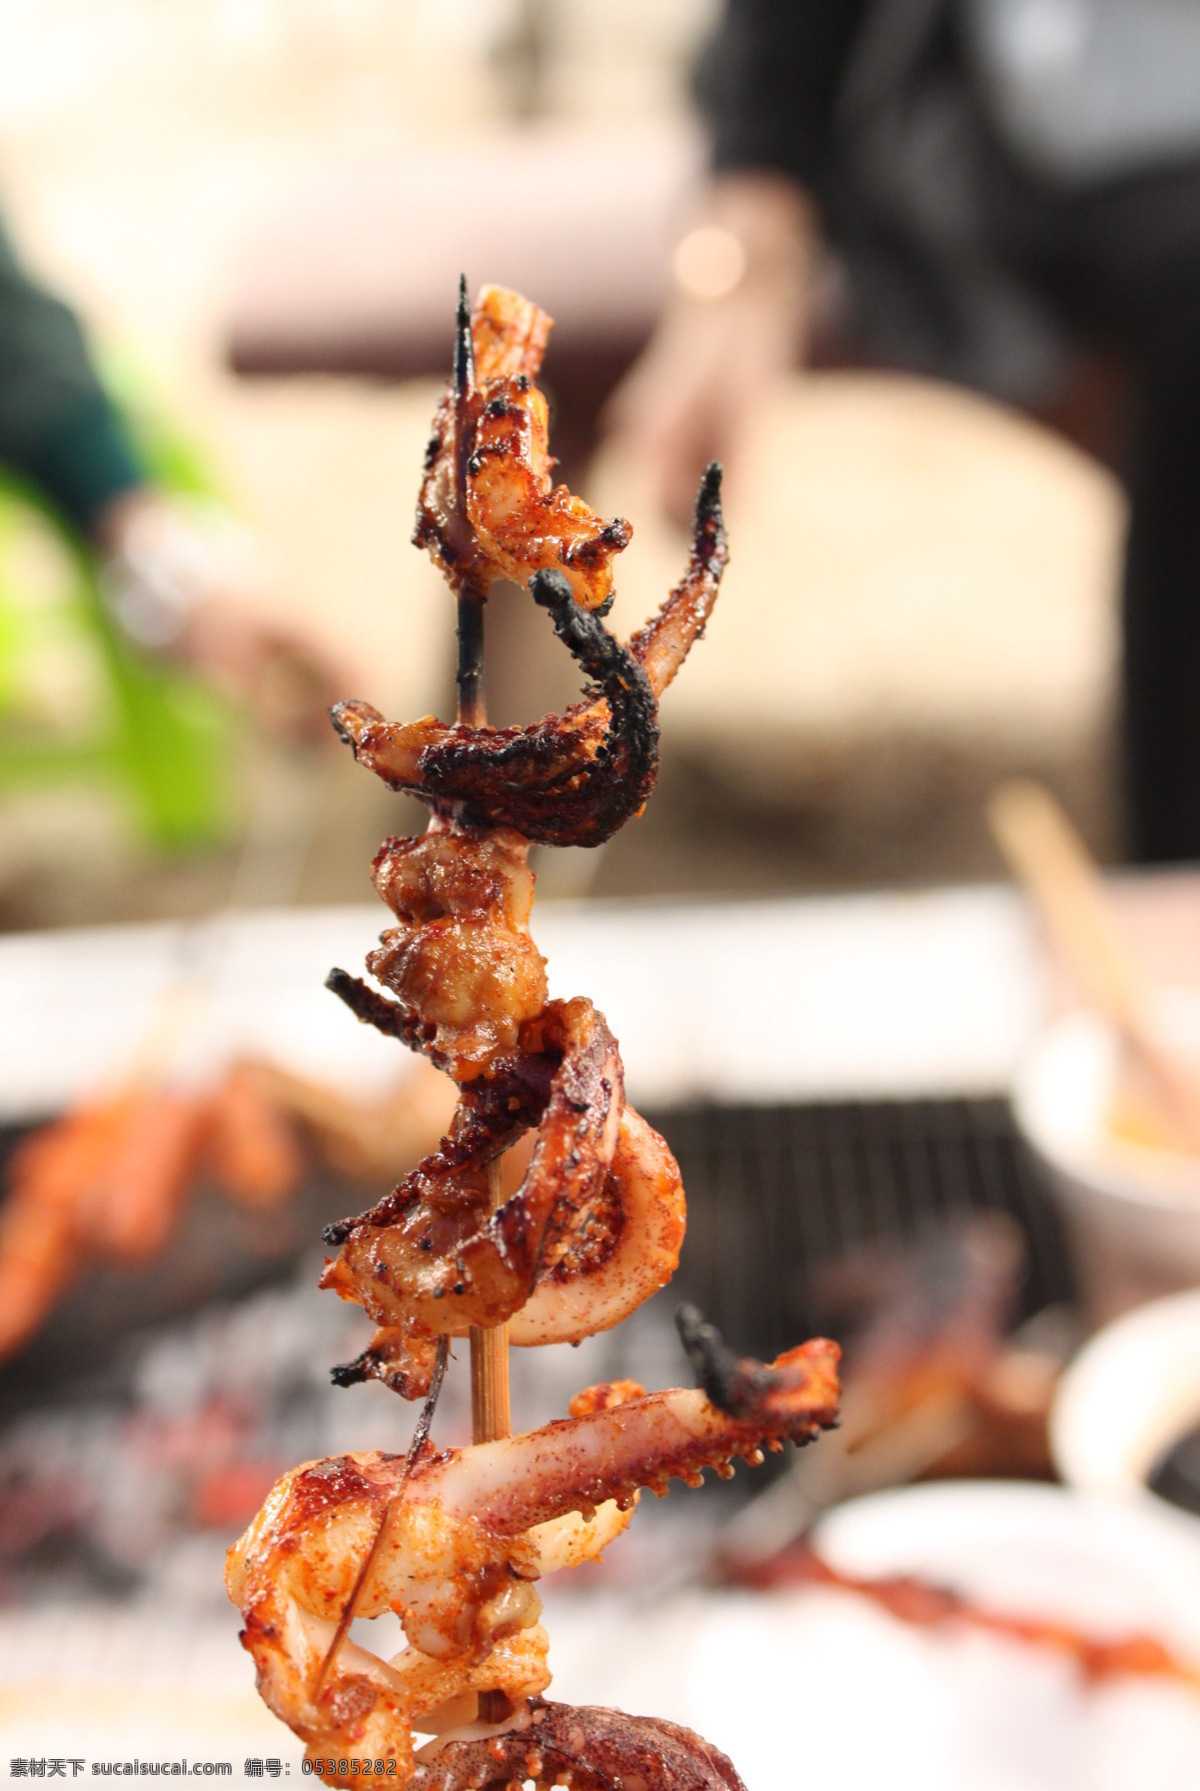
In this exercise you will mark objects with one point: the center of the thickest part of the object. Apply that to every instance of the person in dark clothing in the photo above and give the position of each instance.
(57, 427)
(169, 589)
(985, 229)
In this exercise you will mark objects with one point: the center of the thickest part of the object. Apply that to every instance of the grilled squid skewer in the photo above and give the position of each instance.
(467, 1535)
(596, 1224)
(454, 1543)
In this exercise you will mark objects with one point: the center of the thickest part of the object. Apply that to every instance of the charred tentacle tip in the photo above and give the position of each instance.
(708, 497)
(343, 985)
(464, 347)
(734, 1384)
(600, 653)
(552, 590)
(404, 1378)
(390, 1017)
(369, 1006)
(339, 726)
(709, 540)
(349, 1374)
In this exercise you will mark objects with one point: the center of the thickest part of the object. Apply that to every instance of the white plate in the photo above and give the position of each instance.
(1035, 1549)
(823, 1688)
(1131, 1392)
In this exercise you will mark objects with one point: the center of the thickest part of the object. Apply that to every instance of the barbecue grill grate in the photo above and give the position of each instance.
(776, 1195)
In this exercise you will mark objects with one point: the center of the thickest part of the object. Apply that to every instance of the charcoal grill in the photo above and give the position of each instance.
(779, 1195)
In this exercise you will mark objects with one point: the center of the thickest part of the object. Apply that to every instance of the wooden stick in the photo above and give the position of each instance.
(1046, 854)
(490, 1415)
(489, 1348)
(490, 1412)
(472, 704)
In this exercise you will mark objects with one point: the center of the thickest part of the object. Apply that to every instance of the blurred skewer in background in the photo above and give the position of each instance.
(1049, 859)
(934, 1386)
(108, 1180)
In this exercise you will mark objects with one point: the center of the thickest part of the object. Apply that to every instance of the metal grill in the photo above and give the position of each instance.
(776, 1195)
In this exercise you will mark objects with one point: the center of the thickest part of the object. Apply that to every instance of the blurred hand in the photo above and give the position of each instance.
(190, 587)
(735, 321)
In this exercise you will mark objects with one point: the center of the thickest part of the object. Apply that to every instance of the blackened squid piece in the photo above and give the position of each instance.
(403, 1362)
(571, 779)
(587, 1747)
(432, 1257)
(741, 1386)
(566, 780)
(385, 1015)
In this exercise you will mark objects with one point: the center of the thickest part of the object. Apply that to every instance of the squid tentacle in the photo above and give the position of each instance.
(431, 1253)
(588, 1747)
(571, 779)
(554, 782)
(390, 1017)
(467, 1532)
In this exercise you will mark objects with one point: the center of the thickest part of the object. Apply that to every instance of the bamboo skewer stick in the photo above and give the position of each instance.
(1045, 854)
(489, 1348)
(490, 1415)
(490, 1410)
(472, 704)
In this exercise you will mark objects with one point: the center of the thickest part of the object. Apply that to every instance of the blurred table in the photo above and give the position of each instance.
(900, 993)
(800, 998)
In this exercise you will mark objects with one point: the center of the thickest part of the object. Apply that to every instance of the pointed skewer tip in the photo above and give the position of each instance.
(464, 349)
